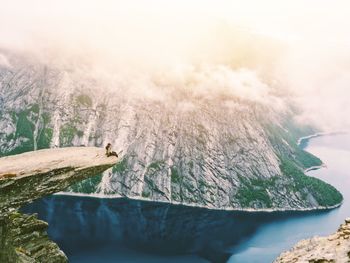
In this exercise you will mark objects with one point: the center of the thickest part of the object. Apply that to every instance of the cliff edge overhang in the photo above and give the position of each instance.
(32, 175)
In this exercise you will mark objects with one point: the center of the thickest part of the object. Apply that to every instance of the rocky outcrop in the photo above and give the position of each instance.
(24, 239)
(29, 176)
(332, 249)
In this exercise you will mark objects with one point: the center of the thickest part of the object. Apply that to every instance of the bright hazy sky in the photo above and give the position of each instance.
(288, 20)
(316, 34)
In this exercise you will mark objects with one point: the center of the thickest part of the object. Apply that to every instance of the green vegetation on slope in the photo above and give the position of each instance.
(67, 133)
(88, 186)
(324, 193)
(84, 100)
(279, 137)
(255, 190)
(120, 166)
(25, 126)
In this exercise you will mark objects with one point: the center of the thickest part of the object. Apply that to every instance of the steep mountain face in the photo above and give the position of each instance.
(178, 145)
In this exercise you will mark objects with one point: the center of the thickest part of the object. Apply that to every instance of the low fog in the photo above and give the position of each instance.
(253, 50)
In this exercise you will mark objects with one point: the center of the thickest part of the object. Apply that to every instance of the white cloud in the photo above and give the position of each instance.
(206, 49)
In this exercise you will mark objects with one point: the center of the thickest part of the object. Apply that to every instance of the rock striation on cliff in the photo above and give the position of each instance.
(331, 249)
(180, 145)
(32, 175)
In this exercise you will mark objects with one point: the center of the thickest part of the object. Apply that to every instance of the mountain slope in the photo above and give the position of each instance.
(181, 145)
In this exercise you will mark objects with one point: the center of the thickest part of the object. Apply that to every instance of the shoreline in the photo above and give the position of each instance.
(313, 168)
(311, 136)
(250, 210)
(319, 134)
(230, 209)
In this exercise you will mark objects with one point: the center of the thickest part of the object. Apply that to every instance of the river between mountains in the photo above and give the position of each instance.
(102, 230)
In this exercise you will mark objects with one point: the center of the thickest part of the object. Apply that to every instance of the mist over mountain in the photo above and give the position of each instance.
(207, 105)
(289, 43)
(204, 103)
(180, 139)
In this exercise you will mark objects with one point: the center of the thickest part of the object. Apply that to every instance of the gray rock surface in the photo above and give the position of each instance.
(29, 176)
(331, 249)
(179, 144)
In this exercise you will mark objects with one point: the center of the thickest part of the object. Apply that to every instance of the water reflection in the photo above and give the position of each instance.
(92, 230)
(84, 223)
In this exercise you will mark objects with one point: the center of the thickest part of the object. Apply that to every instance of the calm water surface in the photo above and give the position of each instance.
(92, 230)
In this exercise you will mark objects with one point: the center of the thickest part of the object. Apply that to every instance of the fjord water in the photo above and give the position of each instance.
(121, 230)
(273, 238)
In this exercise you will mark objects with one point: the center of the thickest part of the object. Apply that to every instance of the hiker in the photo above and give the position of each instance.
(109, 151)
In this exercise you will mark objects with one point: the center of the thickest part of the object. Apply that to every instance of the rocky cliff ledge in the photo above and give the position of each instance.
(334, 248)
(32, 175)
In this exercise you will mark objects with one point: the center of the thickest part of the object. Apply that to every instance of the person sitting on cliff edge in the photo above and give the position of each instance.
(109, 151)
